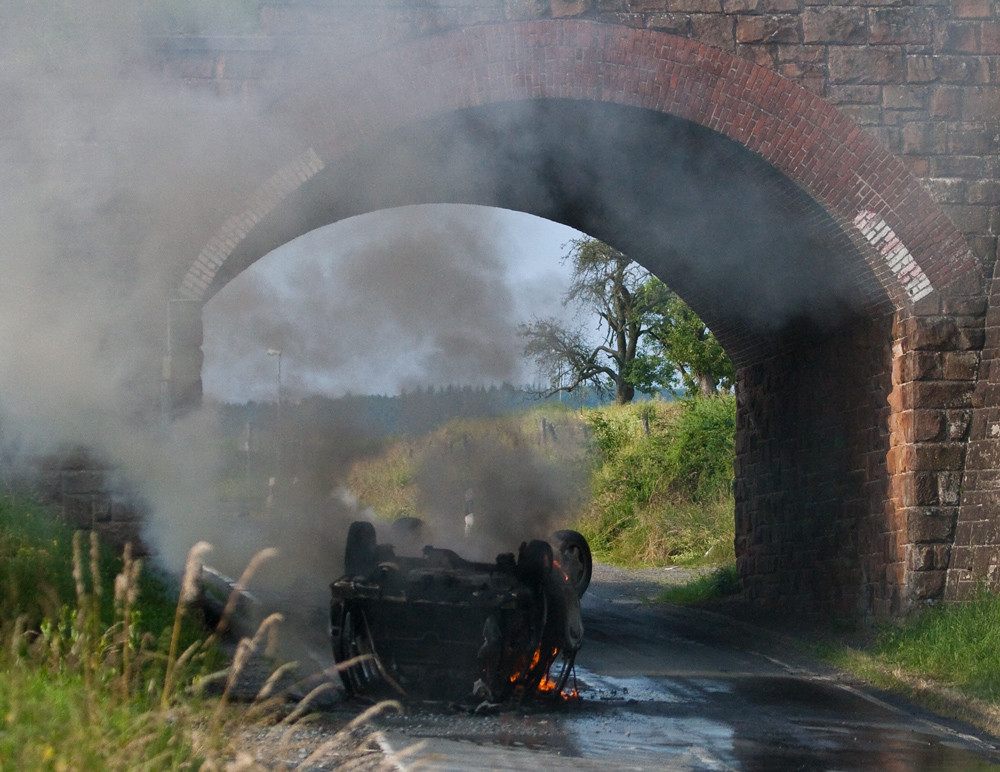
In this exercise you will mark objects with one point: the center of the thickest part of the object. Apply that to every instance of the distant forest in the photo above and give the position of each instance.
(410, 413)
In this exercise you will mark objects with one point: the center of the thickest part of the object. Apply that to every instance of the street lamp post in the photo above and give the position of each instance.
(276, 352)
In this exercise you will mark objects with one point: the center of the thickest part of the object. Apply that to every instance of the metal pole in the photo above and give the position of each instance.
(277, 462)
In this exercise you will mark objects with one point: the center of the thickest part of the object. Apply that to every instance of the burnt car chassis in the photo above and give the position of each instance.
(442, 627)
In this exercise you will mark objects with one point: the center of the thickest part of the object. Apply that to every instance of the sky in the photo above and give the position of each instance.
(398, 299)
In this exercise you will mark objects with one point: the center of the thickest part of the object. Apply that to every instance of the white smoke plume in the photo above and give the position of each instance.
(115, 174)
(401, 299)
(111, 171)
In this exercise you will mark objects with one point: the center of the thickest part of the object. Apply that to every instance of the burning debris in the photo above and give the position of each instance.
(438, 626)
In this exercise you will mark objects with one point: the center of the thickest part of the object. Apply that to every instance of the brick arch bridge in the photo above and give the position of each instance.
(839, 282)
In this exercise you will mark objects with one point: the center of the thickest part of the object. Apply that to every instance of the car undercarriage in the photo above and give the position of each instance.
(438, 626)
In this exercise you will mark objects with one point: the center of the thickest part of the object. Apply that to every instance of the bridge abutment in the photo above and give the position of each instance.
(812, 532)
(181, 389)
(975, 554)
(936, 358)
(851, 451)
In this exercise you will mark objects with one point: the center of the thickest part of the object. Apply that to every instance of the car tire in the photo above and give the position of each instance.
(360, 553)
(577, 561)
(534, 561)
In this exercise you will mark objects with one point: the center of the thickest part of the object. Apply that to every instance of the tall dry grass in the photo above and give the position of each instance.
(78, 691)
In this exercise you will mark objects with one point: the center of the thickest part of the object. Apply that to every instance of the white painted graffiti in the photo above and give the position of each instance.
(894, 252)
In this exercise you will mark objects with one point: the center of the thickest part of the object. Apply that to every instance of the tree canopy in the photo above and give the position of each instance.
(681, 348)
(648, 338)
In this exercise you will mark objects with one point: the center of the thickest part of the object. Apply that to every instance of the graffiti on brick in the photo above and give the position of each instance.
(894, 252)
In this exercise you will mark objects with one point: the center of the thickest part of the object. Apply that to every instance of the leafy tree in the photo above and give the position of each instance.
(682, 346)
(611, 286)
(650, 338)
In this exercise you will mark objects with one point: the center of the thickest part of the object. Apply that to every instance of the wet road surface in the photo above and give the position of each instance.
(669, 688)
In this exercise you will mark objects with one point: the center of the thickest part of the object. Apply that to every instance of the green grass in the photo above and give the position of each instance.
(641, 498)
(60, 719)
(34, 554)
(36, 580)
(81, 667)
(722, 582)
(95, 657)
(416, 476)
(100, 671)
(659, 532)
(955, 644)
(663, 495)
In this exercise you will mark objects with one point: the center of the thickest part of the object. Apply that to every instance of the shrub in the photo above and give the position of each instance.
(661, 482)
(700, 450)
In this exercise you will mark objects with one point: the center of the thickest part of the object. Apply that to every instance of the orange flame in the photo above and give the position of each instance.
(546, 685)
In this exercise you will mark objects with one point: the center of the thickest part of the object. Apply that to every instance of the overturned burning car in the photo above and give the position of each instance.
(438, 626)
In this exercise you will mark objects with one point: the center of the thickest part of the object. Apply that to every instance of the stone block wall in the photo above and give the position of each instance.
(936, 362)
(975, 554)
(851, 452)
(86, 494)
(812, 528)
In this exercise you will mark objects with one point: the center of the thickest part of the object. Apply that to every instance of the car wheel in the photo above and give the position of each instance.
(575, 559)
(534, 561)
(360, 551)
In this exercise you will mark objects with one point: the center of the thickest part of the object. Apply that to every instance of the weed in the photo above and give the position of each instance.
(661, 485)
(81, 692)
(957, 644)
(723, 582)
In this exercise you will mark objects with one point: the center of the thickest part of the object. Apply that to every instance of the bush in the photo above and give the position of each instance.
(661, 482)
(700, 450)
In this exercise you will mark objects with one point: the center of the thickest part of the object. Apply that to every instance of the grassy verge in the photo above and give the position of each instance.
(82, 667)
(538, 451)
(100, 669)
(720, 583)
(647, 484)
(946, 658)
(661, 485)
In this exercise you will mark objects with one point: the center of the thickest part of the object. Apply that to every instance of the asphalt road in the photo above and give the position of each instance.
(667, 688)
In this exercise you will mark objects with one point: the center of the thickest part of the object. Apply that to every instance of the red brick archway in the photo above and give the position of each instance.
(842, 480)
(910, 245)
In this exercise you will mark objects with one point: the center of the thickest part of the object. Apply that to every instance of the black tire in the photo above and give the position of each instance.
(577, 561)
(534, 561)
(360, 552)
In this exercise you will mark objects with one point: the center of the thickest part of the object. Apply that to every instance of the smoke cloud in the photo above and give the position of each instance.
(112, 171)
(489, 494)
(404, 298)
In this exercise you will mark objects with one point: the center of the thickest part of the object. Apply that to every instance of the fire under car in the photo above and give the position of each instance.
(438, 626)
